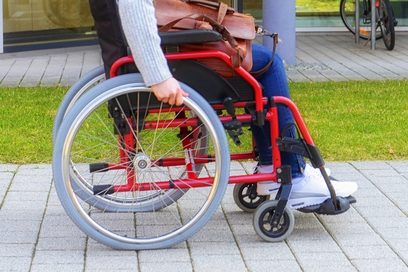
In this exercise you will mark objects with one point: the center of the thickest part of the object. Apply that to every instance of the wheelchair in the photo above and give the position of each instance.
(134, 173)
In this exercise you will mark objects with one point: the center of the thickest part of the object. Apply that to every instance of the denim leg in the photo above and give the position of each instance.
(274, 83)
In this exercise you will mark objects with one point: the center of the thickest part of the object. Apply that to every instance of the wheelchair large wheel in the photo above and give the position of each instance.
(101, 126)
(81, 186)
(84, 84)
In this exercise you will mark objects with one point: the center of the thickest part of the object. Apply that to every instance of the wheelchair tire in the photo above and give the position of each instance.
(127, 229)
(84, 190)
(85, 83)
(262, 225)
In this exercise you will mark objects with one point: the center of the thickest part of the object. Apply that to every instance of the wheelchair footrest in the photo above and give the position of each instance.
(98, 167)
(103, 189)
(328, 208)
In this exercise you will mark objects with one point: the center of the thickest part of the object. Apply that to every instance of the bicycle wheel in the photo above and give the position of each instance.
(386, 21)
(162, 153)
(347, 14)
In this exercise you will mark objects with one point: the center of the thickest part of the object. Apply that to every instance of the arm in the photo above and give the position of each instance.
(140, 28)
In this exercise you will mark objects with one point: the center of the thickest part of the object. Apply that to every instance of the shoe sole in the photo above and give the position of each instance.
(299, 203)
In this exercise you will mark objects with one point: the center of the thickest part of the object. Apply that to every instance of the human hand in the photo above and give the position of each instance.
(169, 91)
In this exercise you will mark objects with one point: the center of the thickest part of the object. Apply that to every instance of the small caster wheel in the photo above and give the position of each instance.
(246, 198)
(263, 222)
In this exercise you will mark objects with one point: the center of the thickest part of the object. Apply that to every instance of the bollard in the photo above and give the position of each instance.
(280, 16)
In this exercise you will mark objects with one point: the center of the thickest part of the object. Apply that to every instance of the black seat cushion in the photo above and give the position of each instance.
(189, 36)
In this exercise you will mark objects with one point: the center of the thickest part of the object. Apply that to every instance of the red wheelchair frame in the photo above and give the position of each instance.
(260, 102)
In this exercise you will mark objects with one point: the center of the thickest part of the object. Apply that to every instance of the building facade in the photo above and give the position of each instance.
(33, 24)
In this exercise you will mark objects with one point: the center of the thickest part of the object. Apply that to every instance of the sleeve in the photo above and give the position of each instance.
(140, 28)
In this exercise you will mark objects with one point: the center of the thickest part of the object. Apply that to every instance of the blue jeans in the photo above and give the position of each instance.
(274, 83)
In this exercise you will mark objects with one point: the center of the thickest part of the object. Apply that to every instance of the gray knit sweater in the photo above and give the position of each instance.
(139, 25)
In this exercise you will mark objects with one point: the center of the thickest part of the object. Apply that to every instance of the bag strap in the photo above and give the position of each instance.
(214, 4)
(263, 70)
(222, 12)
(226, 35)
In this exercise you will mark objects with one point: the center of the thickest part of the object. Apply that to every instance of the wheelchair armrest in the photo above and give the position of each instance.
(189, 36)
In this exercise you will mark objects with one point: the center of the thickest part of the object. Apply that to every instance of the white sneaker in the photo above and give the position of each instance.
(311, 189)
(310, 170)
(269, 187)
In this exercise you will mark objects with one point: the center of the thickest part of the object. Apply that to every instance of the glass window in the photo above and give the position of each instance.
(44, 21)
(37, 21)
(323, 13)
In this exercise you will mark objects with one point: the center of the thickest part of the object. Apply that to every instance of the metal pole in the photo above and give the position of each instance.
(373, 24)
(357, 20)
(1, 26)
(280, 16)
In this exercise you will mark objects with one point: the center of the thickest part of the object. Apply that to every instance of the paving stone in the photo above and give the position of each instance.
(393, 265)
(15, 263)
(371, 165)
(14, 237)
(272, 252)
(54, 71)
(58, 257)
(275, 265)
(38, 170)
(35, 72)
(173, 255)
(57, 267)
(16, 250)
(5, 66)
(359, 240)
(113, 262)
(398, 244)
(337, 267)
(399, 166)
(369, 252)
(65, 243)
(168, 267)
(8, 167)
(213, 248)
(314, 246)
(26, 225)
(16, 72)
(219, 263)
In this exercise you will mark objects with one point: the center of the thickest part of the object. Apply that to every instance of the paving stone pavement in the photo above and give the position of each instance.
(37, 235)
(320, 57)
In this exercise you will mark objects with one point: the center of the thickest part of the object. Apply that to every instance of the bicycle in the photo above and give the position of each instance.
(385, 20)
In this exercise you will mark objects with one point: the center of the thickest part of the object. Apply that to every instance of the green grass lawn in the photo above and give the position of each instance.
(348, 120)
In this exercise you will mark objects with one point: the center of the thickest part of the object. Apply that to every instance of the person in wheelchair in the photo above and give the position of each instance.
(140, 29)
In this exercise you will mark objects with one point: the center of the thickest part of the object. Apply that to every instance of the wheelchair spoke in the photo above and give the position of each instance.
(133, 163)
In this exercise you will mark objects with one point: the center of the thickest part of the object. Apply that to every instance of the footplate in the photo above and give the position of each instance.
(328, 208)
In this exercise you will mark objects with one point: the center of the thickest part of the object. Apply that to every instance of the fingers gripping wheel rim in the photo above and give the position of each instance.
(246, 198)
(83, 131)
(263, 226)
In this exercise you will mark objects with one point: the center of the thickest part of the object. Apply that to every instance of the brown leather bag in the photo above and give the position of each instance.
(238, 30)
